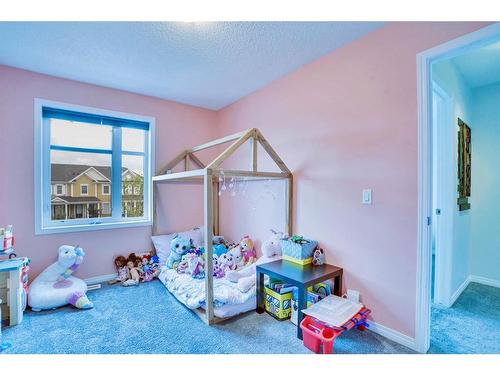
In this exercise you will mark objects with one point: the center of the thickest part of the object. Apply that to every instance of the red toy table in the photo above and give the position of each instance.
(320, 337)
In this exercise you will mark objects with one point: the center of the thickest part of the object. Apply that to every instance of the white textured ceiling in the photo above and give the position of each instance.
(207, 64)
(480, 67)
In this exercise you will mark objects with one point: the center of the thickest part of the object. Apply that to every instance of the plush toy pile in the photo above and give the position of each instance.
(188, 259)
(136, 268)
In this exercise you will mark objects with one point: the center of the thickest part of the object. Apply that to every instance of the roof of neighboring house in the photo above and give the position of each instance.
(67, 172)
(68, 199)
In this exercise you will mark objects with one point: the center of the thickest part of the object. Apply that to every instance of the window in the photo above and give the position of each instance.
(84, 189)
(106, 209)
(84, 150)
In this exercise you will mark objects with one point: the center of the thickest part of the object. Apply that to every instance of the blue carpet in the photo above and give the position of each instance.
(471, 325)
(148, 319)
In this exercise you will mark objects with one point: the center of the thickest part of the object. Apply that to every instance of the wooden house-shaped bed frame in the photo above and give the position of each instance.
(209, 176)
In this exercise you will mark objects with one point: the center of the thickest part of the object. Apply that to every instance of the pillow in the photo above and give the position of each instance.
(162, 242)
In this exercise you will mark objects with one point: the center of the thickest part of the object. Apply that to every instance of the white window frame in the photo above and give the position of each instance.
(109, 189)
(42, 183)
(62, 189)
(81, 190)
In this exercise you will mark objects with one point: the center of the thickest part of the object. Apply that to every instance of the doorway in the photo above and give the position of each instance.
(437, 180)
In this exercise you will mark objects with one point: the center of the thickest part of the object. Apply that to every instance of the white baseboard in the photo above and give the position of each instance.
(392, 335)
(459, 291)
(484, 280)
(100, 279)
(473, 279)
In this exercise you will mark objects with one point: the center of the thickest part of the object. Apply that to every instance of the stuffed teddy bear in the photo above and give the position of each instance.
(178, 247)
(271, 251)
(247, 250)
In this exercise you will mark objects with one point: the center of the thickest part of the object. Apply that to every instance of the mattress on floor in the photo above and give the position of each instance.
(228, 299)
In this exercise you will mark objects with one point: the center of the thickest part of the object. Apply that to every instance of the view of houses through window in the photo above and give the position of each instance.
(94, 168)
(84, 191)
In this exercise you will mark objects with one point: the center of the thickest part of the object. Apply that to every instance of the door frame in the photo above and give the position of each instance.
(446, 50)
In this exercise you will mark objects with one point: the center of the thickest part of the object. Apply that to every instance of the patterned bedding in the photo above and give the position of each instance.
(191, 292)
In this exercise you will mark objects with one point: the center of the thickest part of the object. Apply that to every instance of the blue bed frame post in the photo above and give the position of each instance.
(209, 233)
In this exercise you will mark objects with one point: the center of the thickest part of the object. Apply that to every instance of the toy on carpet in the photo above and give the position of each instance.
(246, 276)
(121, 270)
(55, 286)
(178, 247)
(318, 256)
(150, 267)
(134, 270)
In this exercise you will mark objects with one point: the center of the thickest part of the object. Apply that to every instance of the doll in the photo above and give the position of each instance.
(121, 270)
(147, 272)
(134, 274)
(154, 266)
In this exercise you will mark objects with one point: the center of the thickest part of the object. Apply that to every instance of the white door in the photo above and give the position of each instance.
(443, 193)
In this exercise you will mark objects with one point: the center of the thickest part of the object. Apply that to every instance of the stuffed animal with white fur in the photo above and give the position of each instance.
(246, 277)
(226, 262)
(55, 286)
(238, 258)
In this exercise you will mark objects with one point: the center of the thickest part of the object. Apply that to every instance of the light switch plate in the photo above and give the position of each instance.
(367, 196)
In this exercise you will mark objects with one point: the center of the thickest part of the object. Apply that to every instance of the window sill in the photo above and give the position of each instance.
(54, 229)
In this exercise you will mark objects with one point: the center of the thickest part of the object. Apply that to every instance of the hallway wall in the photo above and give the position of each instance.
(451, 80)
(484, 251)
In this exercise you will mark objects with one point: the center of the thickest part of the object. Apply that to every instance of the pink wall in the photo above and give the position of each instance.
(342, 123)
(177, 127)
(345, 122)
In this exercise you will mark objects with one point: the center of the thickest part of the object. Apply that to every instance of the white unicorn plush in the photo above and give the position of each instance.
(55, 286)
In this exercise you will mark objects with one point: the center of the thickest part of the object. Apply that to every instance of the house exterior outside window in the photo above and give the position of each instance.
(96, 168)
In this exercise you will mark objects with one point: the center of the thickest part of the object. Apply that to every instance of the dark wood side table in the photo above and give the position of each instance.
(300, 276)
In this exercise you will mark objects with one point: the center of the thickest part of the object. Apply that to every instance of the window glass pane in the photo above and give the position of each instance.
(133, 139)
(77, 173)
(79, 134)
(132, 186)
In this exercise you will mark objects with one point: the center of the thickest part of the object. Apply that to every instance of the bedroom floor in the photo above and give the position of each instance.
(471, 325)
(147, 319)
